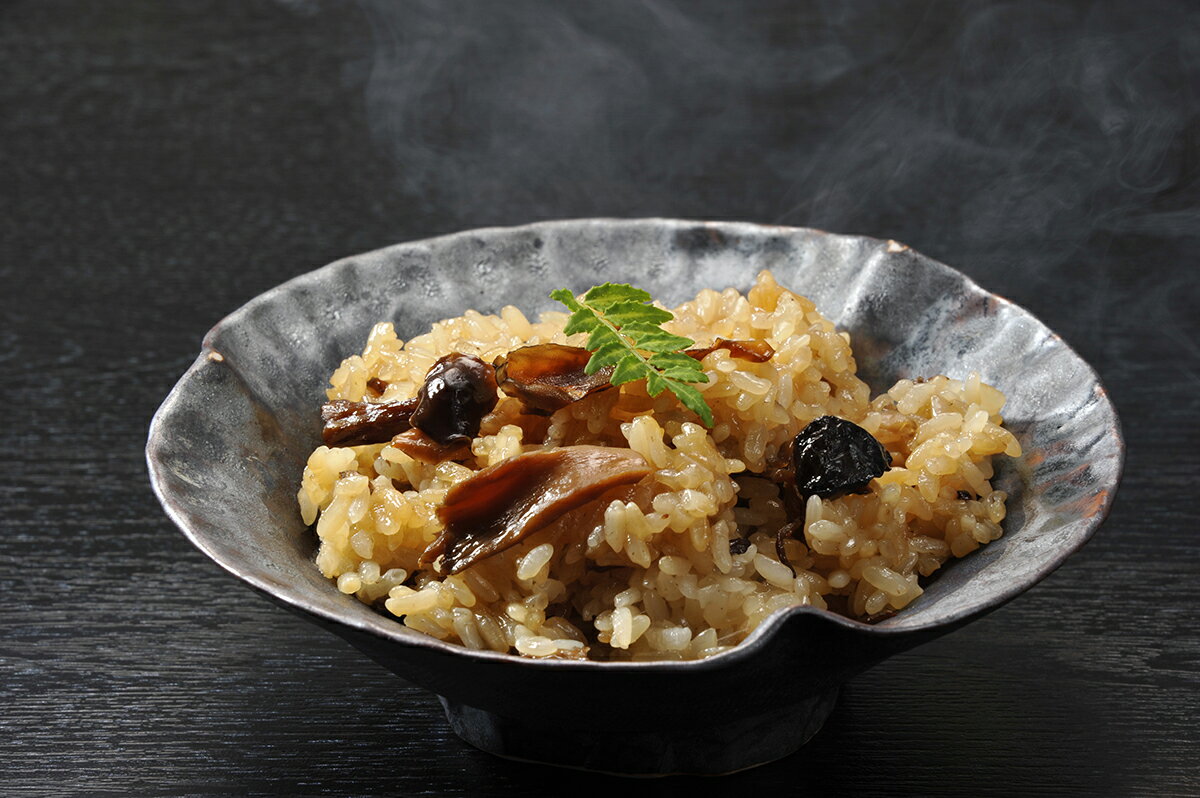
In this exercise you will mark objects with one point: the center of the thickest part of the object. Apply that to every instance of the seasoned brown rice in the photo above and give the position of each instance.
(653, 576)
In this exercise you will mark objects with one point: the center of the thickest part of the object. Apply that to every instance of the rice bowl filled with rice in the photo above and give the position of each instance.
(647, 534)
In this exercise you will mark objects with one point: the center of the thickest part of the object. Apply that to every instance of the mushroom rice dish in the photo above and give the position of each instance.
(624, 481)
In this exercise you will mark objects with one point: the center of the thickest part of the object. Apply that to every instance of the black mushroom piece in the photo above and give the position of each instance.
(739, 546)
(500, 505)
(833, 456)
(784, 532)
(357, 423)
(546, 377)
(459, 391)
(419, 446)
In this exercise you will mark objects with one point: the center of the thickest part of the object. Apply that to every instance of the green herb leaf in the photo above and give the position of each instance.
(675, 365)
(627, 313)
(630, 369)
(602, 296)
(693, 400)
(654, 339)
(625, 332)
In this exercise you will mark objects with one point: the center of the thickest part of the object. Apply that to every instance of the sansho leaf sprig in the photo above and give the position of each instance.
(623, 328)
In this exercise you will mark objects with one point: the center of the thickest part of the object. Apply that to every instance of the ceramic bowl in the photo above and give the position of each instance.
(227, 448)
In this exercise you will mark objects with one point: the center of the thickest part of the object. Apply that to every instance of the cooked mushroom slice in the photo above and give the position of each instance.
(549, 376)
(419, 446)
(752, 350)
(739, 546)
(355, 423)
(459, 391)
(787, 531)
(503, 503)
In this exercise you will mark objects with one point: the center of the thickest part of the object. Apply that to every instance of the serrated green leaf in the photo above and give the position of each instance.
(603, 336)
(608, 354)
(693, 400)
(603, 296)
(683, 375)
(655, 339)
(664, 360)
(621, 325)
(582, 320)
(625, 313)
(678, 366)
(656, 383)
(631, 369)
(566, 297)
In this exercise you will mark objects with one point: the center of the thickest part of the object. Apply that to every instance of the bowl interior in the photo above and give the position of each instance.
(227, 447)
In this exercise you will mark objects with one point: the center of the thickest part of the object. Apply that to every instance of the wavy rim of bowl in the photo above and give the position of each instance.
(392, 629)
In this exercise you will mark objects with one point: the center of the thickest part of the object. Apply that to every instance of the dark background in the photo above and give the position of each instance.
(163, 162)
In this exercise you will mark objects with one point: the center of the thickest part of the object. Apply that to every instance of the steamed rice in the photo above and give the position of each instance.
(653, 577)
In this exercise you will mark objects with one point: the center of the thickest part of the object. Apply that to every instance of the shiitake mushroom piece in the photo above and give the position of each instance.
(754, 350)
(546, 377)
(419, 446)
(356, 423)
(459, 390)
(502, 504)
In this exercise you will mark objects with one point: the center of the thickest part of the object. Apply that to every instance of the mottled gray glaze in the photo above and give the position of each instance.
(227, 447)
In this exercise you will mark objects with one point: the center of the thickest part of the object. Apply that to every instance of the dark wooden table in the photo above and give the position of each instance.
(163, 162)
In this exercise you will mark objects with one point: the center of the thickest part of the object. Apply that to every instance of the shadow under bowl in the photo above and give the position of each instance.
(228, 445)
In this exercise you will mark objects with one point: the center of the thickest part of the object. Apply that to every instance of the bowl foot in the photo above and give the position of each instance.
(726, 745)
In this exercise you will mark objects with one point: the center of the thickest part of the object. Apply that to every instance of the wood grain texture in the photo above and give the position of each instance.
(164, 162)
